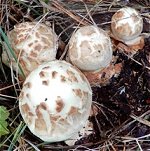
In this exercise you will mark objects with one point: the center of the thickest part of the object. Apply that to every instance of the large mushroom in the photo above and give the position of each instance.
(90, 49)
(33, 43)
(55, 101)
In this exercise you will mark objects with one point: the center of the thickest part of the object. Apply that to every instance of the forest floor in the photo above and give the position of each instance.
(122, 121)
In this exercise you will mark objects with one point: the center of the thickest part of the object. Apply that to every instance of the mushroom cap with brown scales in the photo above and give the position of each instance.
(33, 43)
(55, 101)
(90, 48)
(126, 24)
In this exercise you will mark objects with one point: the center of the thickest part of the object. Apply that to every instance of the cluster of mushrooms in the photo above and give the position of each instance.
(56, 98)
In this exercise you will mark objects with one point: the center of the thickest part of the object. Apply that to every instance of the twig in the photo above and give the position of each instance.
(141, 120)
(12, 97)
(69, 13)
(122, 50)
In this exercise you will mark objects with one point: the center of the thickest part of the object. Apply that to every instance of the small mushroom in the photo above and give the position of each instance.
(90, 48)
(33, 43)
(55, 101)
(126, 26)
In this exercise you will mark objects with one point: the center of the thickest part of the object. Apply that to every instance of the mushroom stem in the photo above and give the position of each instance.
(136, 44)
(102, 77)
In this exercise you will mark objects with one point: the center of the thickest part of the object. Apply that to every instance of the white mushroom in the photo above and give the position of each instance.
(55, 101)
(90, 48)
(33, 43)
(127, 25)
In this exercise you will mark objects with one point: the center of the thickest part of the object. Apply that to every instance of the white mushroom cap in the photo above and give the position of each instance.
(127, 24)
(33, 43)
(55, 101)
(90, 48)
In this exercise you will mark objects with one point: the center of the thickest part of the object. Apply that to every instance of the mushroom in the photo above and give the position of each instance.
(55, 101)
(90, 49)
(33, 43)
(126, 26)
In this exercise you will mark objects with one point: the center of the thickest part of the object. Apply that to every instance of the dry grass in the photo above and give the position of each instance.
(65, 17)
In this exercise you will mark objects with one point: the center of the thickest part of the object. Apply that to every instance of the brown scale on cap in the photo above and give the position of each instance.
(125, 29)
(54, 74)
(72, 76)
(42, 74)
(45, 41)
(81, 74)
(38, 47)
(35, 41)
(63, 121)
(42, 29)
(21, 96)
(118, 15)
(85, 45)
(28, 85)
(23, 65)
(88, 32)
(43, 106)
(85, 94)
(54, 118)
(45, 47)
(25, 108)
(30, 114)
(28, 96)
(63, 78)
(77, 92)
(73, 110)
(59, 104)
(45, 82)
(29, 119)
(38, 112)
(21, 52)
(40, 125)
(33, 54)
(37, 35)
(21, 35)
(30, 44)
(27, 112)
